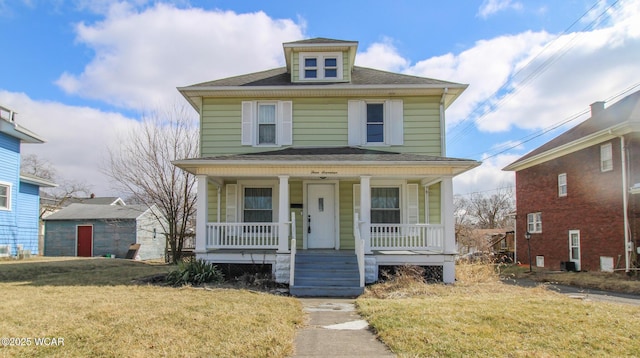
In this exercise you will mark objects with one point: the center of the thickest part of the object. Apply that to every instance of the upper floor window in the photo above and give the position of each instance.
(320, 66)
(562, 184)
(376, 122)
(267, 123)
(5, 196)
(606, 157)
(534, 222)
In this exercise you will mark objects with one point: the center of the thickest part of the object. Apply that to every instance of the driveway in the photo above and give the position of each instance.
(579, 293)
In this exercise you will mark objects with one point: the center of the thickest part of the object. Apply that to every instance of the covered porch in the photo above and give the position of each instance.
(384, 208)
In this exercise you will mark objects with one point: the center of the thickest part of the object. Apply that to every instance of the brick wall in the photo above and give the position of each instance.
(593, 205)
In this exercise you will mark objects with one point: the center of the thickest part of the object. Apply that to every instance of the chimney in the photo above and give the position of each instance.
(596, 107)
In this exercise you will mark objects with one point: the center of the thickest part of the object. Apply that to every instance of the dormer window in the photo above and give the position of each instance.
(320, 66)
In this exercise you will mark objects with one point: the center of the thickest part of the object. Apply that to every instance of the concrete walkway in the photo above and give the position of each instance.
(336, 330)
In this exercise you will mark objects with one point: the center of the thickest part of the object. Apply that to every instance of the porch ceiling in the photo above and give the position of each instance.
(339, 162)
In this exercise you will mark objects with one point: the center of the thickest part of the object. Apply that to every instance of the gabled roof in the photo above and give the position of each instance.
(98, 212)
(620, 118)
(105, 200)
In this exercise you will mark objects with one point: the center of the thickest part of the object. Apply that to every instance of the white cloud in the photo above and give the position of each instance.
(491, 7)
(382, 56)
(486, 177)
(76, 137)
(141, 56)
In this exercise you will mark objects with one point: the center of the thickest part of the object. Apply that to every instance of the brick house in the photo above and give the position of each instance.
(578, 195)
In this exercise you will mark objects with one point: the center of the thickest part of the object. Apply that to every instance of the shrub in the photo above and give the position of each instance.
(194, 272)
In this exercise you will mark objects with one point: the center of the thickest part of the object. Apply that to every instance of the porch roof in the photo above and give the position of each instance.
(360, 160)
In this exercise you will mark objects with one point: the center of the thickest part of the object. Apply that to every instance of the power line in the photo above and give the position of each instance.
(537, 134)
(534, 74)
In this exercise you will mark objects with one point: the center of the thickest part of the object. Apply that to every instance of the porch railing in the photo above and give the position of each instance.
(242, 235)
(407, 237)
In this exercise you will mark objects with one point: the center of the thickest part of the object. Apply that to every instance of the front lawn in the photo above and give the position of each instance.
(97, 310)
(480, 316)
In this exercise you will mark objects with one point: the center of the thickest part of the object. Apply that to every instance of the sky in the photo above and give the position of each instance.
(82, 72)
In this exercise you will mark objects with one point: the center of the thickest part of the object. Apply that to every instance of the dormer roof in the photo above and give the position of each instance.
(320, 44)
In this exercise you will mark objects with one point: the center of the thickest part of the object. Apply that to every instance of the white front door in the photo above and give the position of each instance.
(321, 218)
(574, 247)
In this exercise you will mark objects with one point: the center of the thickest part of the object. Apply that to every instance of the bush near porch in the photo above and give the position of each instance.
(480, 316)
(98, 311)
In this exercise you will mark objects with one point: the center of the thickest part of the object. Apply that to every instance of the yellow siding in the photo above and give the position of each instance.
(318, 122)
(434, 204)
(347, 242)
(295, 197)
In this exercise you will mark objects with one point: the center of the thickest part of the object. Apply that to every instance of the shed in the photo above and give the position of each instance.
(92, 230)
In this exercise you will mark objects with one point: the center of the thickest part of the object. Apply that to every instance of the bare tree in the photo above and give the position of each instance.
(481, 211)
(140, 165)
(54, 198)
(493, 211)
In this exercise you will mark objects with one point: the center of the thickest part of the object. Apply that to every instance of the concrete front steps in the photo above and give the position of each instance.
(326, 274)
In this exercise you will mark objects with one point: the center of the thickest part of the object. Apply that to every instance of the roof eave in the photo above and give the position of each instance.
(16, 131)
(191, 165)
(194, 94)
(576, 145)
(43, 183)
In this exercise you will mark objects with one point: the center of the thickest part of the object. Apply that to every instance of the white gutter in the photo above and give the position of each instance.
(443, 136)
(625, 205)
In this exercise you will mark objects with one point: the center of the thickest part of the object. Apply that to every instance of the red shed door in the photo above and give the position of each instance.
(85, 241)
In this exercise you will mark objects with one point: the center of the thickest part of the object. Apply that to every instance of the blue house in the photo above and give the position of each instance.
(19, 193)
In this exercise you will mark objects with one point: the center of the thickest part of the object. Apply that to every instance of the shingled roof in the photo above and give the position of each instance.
(624, 111)
(359, 77)
(98, 212)
(330, 154)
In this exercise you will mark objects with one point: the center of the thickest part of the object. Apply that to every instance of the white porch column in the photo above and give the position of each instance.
(283, 214)
(202, 214)
(365, 212)
(448, 220)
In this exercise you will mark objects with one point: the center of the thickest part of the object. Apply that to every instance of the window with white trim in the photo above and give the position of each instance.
(5, 196)
(385, 205)
(562, 184)
(534, 222)
(320, 66)
(375, 122)
(258, 205)
(606, 157)
(267, 123)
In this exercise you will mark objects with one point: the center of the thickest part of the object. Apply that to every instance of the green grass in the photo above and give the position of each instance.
(96, 308)
(483, 317)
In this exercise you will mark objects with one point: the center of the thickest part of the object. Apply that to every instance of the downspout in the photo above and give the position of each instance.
(443, 137)
(625, 205)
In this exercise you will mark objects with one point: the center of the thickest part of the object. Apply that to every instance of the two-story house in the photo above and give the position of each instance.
(19, 192)
(324, 170)
(578, 195)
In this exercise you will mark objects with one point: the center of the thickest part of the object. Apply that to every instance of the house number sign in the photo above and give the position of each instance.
(323, 172)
